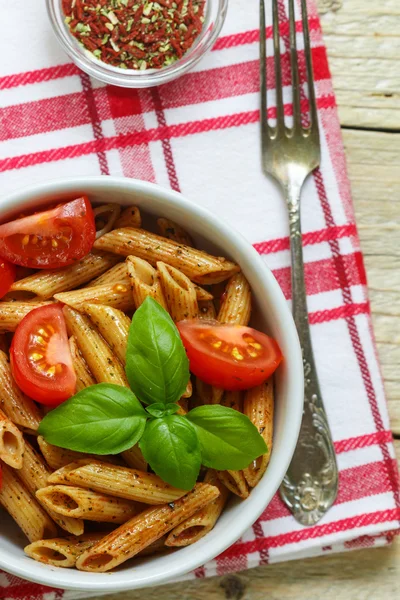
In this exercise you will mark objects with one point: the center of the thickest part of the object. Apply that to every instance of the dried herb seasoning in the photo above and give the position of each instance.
(135, 34)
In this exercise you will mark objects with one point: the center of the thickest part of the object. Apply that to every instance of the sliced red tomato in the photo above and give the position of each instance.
(231, 357)
(50, 239)
(7, 276)
(40, 356)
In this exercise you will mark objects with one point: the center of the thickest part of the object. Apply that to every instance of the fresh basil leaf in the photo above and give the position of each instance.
(156, 363)
(171, 448)
(160, 410)
(228, 439)
(101, 419)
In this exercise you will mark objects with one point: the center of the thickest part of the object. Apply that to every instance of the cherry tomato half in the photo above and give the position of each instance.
(7, 276)
(231, 357)
(50, 239)
(40, 356)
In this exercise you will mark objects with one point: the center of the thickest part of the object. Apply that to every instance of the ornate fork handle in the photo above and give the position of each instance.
(310, 485)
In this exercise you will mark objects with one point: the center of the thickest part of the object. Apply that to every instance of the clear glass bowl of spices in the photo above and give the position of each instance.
(136, 43)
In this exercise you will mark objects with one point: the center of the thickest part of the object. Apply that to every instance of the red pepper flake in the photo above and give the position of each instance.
(135, 34)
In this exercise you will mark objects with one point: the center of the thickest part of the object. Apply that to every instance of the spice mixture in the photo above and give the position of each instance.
(135, 34)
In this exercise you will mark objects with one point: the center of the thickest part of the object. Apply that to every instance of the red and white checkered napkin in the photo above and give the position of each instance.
(200, 135)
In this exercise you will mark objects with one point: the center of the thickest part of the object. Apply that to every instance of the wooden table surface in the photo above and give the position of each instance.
(363, 41)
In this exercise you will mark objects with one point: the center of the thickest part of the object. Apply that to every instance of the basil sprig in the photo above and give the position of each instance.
(108, 419)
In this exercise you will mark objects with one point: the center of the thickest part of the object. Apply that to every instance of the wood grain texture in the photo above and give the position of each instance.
(363, 41)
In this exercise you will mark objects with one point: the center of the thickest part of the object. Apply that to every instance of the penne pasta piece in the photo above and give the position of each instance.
(130, 484)
(179, 292)
(48, 283)
(105, 217)
(23, 508)
(207, 310)
(20, 409)
(81, 503)
(154, 548)
(117, 274)
(34, 474)
(183, 406)
(233, 399)
(174, 232)
(201, 523)
(62, 552)
(207, 393)
(117, 295)
(130, 217)
(235, 482)
(113, 325)
(144, 282)
(11, 442)
(134, 458)
(84, 378)
(144, 529)
(235, 305)
(259, 407)
(57, 457)
(199, 266)
(12, 313)
(99, 357)
(235, 308)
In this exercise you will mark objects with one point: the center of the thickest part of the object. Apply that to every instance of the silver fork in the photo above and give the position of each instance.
(290, 155)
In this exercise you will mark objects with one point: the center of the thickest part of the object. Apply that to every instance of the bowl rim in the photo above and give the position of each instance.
(130, 78)
(129, 579)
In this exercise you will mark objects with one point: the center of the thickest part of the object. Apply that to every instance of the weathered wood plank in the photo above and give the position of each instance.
(363, 43)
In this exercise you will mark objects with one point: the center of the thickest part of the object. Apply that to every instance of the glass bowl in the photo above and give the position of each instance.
(215, 13)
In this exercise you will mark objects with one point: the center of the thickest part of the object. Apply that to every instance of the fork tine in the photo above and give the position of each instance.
(277, 61)
(263, 78)
(295, 68)
(310, 75)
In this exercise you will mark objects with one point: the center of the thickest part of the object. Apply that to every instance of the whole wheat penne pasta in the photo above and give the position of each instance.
(84, 378)
(34, 474)
(117, 295)
(201, 523)
(175, 232)
(259, 407)
(144, 281)
(122, 482)
(20, 409)
(105, 217)
(117, 274)
(11, 442)
(4, 345)
(81, 503)
(233, 399)
(12, 313)
(47, 283)
(57, 457)
(197, 265)
(23, 508)
(235, 305)
(235, 482)
(62, 552)
(130, 217)
(207, 310)
(144, 529)
(134, 458)
(99, 357)
(113, 325)
(179, 292)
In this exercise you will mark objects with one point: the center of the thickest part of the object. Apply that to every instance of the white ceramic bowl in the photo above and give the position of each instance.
(271, 315)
